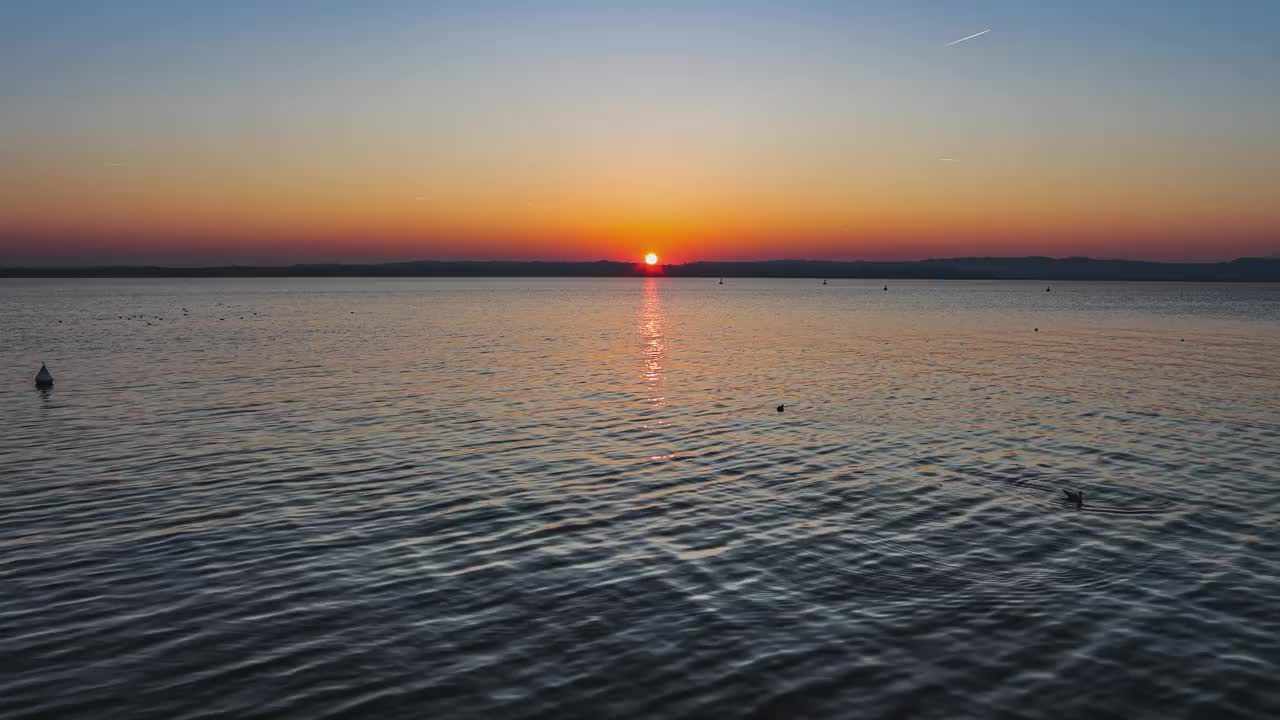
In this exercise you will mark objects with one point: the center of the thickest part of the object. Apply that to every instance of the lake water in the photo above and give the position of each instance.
(543, 498)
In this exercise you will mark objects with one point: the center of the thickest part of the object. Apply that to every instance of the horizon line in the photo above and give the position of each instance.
(638, 262)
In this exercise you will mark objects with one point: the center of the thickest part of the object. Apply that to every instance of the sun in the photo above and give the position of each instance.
(651, 259)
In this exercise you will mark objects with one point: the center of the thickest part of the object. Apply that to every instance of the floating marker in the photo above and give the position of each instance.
(43, 378)
(1076, 497)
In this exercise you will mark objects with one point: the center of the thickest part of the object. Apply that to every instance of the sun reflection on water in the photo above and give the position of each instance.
(653, 341)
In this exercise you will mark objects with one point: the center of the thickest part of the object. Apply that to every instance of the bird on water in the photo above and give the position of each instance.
(1076, 497)
(780, 407)
(43, 378)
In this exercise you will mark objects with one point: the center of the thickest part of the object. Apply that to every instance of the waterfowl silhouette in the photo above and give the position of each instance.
(1076, 497)
(43, 378)
(1048, 289)
(721, 281)
(824, 282)
(886, 288)
(780, 407)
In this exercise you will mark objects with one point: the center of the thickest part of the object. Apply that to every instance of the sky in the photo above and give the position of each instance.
(261, 132)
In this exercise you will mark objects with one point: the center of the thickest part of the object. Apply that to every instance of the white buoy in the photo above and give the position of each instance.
(43, 378)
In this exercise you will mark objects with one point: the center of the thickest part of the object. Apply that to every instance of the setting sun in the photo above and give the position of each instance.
(651, 259)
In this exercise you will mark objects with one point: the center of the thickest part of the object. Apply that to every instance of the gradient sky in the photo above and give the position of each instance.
(187, 133)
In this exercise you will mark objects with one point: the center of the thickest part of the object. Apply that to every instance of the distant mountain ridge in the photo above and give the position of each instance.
(962, 268)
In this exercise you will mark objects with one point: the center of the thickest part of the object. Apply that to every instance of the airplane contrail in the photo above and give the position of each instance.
(984, 32)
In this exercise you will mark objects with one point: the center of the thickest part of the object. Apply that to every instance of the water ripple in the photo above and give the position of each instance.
(551, 498)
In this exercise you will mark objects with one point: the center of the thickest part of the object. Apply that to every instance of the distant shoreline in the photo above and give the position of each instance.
(976, 268)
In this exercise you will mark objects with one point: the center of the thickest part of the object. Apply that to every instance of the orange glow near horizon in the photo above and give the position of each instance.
(175, 206)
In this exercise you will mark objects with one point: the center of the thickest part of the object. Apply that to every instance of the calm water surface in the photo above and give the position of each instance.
(539, 498)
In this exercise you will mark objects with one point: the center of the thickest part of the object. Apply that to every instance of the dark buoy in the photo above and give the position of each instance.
(824, 282)
(1075, 497)
(1048, 289)
(886, 288)
(43, 378)
(780, 407)
(1037, 329)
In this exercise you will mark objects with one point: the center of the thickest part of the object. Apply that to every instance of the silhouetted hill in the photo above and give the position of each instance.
(974, 268)
(989, 268)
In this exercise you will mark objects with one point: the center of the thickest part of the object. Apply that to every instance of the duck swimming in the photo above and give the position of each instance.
(1075, 497)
